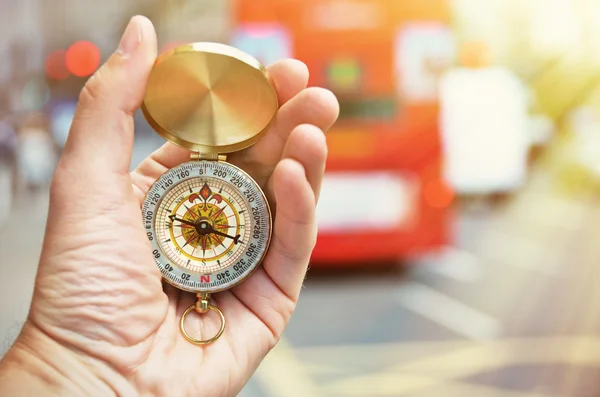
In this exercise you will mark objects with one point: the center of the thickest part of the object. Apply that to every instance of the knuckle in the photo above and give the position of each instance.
(92, 90)
(89, 94)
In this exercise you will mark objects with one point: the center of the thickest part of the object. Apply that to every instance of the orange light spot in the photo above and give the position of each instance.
(55, 66)
(438, 194)
(475, 55)
(82, 58)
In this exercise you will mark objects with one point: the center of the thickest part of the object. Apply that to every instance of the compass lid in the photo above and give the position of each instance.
(209, 97)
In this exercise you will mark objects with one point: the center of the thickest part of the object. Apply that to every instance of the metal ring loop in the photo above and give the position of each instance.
(197, 341)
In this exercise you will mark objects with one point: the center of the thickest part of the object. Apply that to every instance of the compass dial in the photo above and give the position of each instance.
(209, 224)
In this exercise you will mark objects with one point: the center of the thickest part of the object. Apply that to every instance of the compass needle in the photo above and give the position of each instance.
(207, 206)
(216, 214)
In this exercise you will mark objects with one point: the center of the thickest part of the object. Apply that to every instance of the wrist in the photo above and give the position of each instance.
(38, 365)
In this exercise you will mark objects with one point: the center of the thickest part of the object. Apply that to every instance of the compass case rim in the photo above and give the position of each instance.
(155, 245)
(209, 97)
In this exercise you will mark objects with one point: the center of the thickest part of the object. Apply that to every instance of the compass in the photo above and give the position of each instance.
(208, 221)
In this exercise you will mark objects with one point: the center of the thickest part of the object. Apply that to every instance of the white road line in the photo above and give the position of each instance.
(448, 312)
(282, 374)
(551, 211)
(456, 264)
(522, 251)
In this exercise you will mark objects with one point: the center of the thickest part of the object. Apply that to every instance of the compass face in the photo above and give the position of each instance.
(209, 224)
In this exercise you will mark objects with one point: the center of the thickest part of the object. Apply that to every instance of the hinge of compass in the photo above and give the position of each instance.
(208, 156)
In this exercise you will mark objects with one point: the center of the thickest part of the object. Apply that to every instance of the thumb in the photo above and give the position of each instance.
(101, 138)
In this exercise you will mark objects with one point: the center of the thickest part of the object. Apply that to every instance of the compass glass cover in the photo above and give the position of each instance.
(209, 224)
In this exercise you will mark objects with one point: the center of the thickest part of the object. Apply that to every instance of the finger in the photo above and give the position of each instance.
(153, 166)
(101, 138)
(295, 229)
(288, 76)
(315, 106)
(307, 145)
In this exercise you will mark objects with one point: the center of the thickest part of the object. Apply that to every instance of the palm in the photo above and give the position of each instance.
(99, 291)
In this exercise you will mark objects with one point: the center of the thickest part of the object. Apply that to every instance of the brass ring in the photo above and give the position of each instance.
(197, 341)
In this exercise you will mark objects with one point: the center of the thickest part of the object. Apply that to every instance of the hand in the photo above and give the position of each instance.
(100, 321)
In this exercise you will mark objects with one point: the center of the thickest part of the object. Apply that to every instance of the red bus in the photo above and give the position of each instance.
(383, 197)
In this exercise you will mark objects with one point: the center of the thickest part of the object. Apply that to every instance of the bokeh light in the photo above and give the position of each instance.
(82, 58)
(55, 66)
(475, 54)
(438, 194)
(35, 94)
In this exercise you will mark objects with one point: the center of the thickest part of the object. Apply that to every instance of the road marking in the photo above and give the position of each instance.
(543, 210)
(463, 360)
(282, 374)
(454, 263)
(448, 312)
(522, 251)
(394, 384)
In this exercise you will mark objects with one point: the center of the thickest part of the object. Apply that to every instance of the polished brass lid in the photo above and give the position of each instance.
(209, 97)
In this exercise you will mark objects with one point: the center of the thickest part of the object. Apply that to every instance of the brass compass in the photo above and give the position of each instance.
(208, 221)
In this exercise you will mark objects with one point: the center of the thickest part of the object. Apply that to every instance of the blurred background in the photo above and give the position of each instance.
(460, 217)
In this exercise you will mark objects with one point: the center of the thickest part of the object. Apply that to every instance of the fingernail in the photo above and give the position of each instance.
(131, 38)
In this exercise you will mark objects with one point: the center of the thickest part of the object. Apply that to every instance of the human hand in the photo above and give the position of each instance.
(101, 322)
